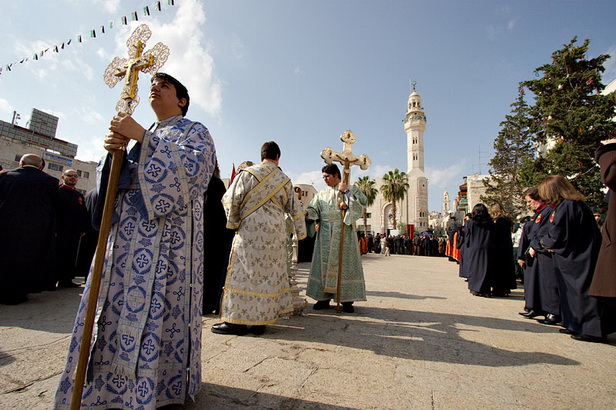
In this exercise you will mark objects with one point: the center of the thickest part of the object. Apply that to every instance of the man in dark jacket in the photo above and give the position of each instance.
(72, 224)
(28, 201)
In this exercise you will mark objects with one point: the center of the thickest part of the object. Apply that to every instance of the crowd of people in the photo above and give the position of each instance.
(568, 282)
(48, 221)
(424, 244)
(157, 280)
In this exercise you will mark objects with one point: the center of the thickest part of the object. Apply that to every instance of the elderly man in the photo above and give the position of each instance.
(28, 199)
(72, 224)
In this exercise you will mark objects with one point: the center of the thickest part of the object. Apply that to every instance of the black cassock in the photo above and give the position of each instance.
(28, 204)
(532, 297)
(463, 273)
(477, 255)
(575, 239)
(73, 220)
(502, 268)
(543, 265)
(217, 240)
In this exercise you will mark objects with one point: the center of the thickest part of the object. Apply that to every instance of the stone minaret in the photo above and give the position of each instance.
(446, 202)
(417, 196)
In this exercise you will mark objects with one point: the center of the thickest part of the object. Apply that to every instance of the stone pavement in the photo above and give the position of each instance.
(420, 341)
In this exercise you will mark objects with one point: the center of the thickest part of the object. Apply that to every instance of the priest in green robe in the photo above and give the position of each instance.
(326, 209)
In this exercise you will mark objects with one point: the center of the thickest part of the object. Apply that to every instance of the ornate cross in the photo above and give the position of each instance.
(148, 62)
(346, 157)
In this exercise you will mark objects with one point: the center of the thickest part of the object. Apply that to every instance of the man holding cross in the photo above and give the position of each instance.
(327, 208)
(146, 345)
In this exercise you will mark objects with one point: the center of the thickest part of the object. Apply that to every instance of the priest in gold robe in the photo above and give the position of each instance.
(257, 290)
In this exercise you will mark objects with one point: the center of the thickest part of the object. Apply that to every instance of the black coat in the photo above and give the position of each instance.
(502, 269)
(477, 254)
(543, 264)
(604, 280)
(217, 240)
(575, 239)
(73, 221)
(28, 205)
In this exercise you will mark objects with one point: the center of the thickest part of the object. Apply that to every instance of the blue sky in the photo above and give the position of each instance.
(302, 72)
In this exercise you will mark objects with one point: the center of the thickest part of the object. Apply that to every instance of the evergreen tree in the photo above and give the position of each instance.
(571, 118)
(513, 147)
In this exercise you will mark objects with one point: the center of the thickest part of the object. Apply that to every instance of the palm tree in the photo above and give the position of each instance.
(394, 188)
(366, 185)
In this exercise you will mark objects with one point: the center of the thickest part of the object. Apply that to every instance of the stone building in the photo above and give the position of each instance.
(40, 138)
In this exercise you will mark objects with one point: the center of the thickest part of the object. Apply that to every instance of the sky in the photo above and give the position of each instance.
(301, 72)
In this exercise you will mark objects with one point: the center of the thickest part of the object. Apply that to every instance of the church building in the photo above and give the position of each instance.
(412, 211)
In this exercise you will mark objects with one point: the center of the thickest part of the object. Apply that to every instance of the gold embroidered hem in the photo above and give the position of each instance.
(257, 290)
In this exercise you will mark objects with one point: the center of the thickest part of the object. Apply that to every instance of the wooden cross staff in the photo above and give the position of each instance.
(347, 159)
(148, 62)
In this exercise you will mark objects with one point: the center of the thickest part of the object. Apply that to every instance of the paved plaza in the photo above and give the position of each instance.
(420, 341)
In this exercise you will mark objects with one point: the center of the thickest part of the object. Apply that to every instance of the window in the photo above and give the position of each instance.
(86, 174)
(17, 158)
(55, 167)
(368, 215)
(79, 173)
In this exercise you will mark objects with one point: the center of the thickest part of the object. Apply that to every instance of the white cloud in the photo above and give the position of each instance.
(314, 178)
(445, 177)
(237, 48)
(610, 65)
(6, 107)
(189, 58)
(91, 149)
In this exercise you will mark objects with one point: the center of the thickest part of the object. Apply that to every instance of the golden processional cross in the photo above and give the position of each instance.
(347, 159)
(148, 62)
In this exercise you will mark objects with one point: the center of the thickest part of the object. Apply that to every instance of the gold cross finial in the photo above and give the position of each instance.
(346, 157)
(148, 62)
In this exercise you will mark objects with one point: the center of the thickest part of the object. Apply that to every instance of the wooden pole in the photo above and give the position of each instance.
(345, 178)
(95, 281)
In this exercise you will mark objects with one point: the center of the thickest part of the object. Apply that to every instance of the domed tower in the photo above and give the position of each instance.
(417, 195)
(446, 202)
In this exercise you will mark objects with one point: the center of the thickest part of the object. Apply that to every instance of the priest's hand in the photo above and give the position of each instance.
(115, 141)
(343, 205)
(532, 252)
(125, 125)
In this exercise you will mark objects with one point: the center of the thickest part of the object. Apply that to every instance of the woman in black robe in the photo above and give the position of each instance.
(542, 284)
(503, 268)
(574, 240)
(460, 245)
(478, 251)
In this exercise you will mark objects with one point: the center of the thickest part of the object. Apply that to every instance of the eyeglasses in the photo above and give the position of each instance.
(72, 175)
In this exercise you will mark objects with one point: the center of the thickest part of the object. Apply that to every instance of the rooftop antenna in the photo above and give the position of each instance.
(480, 156)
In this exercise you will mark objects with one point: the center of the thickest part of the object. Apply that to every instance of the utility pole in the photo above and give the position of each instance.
(16, 116)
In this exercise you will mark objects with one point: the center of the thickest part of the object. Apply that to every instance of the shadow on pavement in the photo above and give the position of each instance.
(215, 396)
(414, 335)
(399, 295)
(47, 311)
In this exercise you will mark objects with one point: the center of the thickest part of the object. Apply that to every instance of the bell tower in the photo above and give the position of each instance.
(417, 195)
